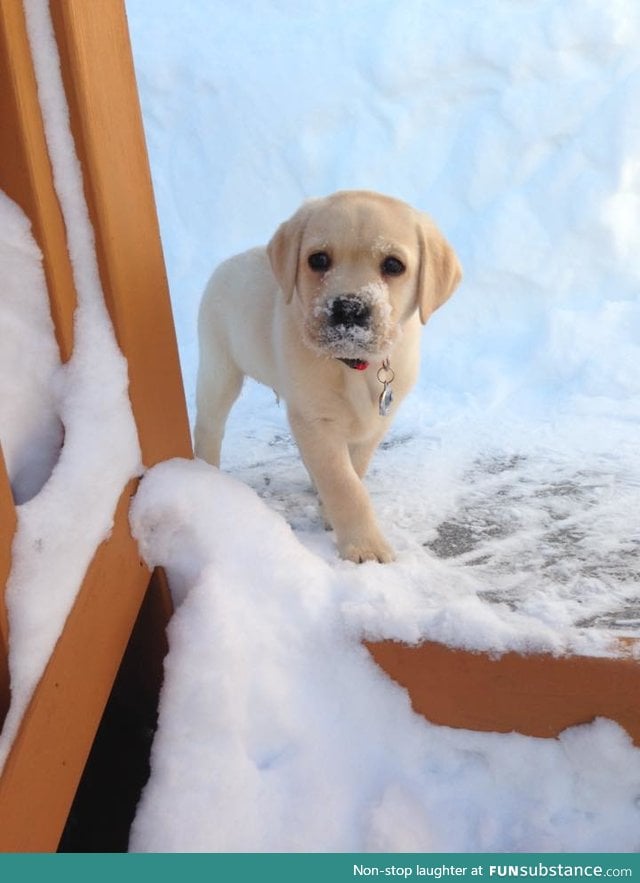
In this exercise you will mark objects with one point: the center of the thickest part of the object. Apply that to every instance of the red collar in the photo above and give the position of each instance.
(356, 364)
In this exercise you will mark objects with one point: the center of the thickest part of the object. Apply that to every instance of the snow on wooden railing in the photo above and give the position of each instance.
(46, 754)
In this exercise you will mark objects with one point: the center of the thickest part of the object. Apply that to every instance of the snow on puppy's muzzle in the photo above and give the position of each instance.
(351, 325)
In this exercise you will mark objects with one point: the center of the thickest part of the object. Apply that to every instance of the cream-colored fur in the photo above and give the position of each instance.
(269, 315)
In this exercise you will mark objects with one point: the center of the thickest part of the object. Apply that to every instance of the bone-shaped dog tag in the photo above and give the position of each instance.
(385, 401)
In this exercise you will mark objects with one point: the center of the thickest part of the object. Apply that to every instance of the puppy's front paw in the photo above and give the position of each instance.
(370, 548)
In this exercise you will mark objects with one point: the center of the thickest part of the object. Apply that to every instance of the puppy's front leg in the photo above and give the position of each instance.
(344, 497)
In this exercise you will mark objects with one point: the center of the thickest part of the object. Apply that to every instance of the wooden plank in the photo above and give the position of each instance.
(537, 695)
(25, 172)
(105, 804)
(43, 769)
(7, 530)
(107, 124)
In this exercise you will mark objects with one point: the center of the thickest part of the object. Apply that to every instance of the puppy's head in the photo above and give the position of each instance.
(361, 265)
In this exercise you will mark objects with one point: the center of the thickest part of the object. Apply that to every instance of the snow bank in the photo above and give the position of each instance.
(515, 460)
(512, 124)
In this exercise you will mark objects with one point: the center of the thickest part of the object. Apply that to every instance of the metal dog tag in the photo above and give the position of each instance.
(385, 401)
(385, 376)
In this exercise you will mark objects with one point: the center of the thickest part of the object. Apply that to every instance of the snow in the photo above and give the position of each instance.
(277, 732)
(508, 484)
(31, 431)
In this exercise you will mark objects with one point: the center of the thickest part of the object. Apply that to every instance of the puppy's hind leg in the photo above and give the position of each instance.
(218, 386)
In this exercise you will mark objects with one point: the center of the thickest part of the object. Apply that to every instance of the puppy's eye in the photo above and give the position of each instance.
(392, 267)
(319, 261)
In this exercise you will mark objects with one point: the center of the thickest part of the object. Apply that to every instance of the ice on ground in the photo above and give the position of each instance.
(540, 525)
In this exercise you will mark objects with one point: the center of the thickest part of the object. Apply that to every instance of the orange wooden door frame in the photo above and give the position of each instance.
(48, 755)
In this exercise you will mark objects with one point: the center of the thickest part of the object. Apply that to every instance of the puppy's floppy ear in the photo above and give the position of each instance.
(439, 271)
(283, 251)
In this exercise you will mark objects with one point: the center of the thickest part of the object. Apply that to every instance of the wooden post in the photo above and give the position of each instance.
(99, 78)
(48, 755)
(25, 170)
(42, 771)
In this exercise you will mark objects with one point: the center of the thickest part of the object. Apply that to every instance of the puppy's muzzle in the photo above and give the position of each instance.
(349, 311)
(351, 325)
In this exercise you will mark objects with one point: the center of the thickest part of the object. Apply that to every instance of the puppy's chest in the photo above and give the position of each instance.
(364, 397)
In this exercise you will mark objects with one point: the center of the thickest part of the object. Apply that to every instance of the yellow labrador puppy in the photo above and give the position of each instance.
(329, 315)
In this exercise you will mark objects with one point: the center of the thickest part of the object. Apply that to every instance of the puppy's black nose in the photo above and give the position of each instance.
(349, 311)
